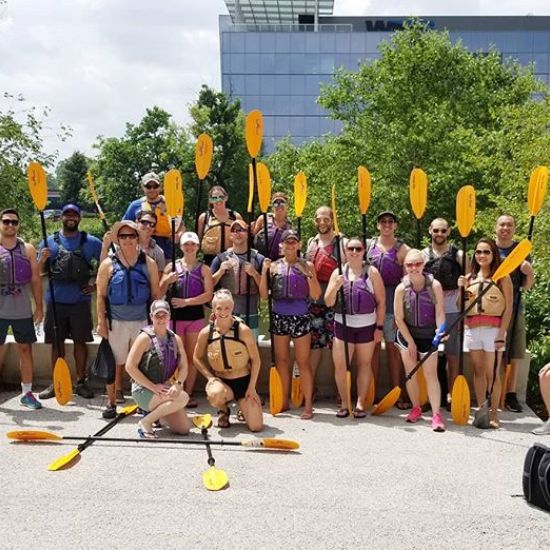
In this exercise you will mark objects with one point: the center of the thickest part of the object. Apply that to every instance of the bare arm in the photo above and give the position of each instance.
(439, 303)
(153, 278)
(255, 361)
(200, 352)
(103, 275)
(529, 276)
(400, 315)
(508, 291)
(379, 294)
(140, 346)
(314, 286)
(200, 226)
(334, 284)
(183, 367)
(264, 286)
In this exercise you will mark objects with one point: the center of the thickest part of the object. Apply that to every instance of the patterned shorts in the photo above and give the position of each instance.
(322, 326)
(294, 326)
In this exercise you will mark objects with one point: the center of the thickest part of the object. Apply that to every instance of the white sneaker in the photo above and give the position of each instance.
(544, 429)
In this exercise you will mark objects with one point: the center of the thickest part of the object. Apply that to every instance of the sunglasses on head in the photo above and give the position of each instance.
(278, 202)
(218, 198)
(152, 225)
(152, 185)
(354, 248)
(127, 236)
(414, 264)
(436, 231)
(483, 252)
(6, 221)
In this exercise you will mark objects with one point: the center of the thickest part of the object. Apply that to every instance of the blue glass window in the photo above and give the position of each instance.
(328, 44)
(237, 63)
(342, 42)
(297, 105)
(540, 41)
(252, 84)
(252, 42)
(267, 84)
(297, 63)
(541, 62)
(311, 126)
(358, 42)
(237, 41)
(312, 84)
(252, 63)
(297, 84)
(297, 126)
(312, 63)
(313, 41)
(267, 42)
(297, 42)
(282, 63)
(282, 42)
(282, 126)
(267, 63)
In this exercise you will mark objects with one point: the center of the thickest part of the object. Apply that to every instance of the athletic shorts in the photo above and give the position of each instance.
(423, 345)
(389, 328)
(322, 326)
(294, 326)
(74, 321)
(23, 330)
(517, 342)
(480, 338)
(238, 385)
(183, 327)
(122, 336)
(142, 396)
(354, 335)
(452, 344)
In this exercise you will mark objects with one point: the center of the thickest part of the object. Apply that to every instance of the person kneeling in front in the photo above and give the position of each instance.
(232, 363)
(156, 359)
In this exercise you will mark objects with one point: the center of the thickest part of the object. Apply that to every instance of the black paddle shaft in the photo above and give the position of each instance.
(343, 298)
(211, 461)
(198, 210)
(462, 295)
(90, 440)
(181, 441)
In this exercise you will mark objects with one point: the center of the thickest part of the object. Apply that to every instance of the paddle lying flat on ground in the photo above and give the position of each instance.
(213, 479)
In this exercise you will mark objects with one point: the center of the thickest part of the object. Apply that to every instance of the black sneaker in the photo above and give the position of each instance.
(511, 403)
(109, 412)
(48, 393)
(83, 390)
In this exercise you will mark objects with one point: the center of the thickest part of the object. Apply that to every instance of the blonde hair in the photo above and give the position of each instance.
(222, 294)
(414, 253)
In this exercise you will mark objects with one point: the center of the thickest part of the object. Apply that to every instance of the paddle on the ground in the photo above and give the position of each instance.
(204, 149)
(418, 194)
(213, 479)
(67, 459)
(38, 187)
(460, 393)
(342, 297)
(513, 260)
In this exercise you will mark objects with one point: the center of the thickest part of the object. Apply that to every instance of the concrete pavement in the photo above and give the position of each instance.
(372, 483)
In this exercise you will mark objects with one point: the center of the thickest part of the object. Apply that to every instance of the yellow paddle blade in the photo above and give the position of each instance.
(33, 435)
(254, 132)
(418, 191)
(537, 189)
(504, 385)
(130, 409)
(250, 188)
(38, 185)
(333, 194)
(371, 393)
(172, 183)
(296, 394)
(465, 209)
(204, 149)
(422, 387)
(62, 383)
(272, 443)
(180, 197)
(215, 479)
(300, 193)
(203, 421)
(264, 186)
(63, 460)
(348, 388)
(275, 392)
(387, 402)
(363, 188)
(91, 187)
(513, 260)
(460, 401)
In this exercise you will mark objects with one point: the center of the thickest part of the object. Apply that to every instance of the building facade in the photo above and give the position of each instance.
(278, 62)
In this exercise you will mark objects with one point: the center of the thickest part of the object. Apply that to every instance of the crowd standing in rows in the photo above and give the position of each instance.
(390, 292)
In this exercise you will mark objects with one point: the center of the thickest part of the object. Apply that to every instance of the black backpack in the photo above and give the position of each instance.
(536, 476)
(103, 367)
(71, 266)
(444, 268)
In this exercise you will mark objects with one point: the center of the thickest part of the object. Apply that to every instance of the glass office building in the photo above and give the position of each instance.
(276, 54)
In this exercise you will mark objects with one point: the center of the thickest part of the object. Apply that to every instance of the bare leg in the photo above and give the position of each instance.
(282, 362)
(412, 384)
(25, 362)
(363, 358)
(432, 383)
(489, 362)
(452, 370)
(340, 370)
(301, 351)
(480, 380)
(190, 342)
(164, 407)
(253, 415)
(80, 358)
(315, 360)
(544, 380)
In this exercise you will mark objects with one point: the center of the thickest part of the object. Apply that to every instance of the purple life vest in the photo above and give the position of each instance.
(419, 308)
(289, 283)
(162, 359)
(274, 234)
(189, 283)
(386, 262)
(358, 294)
(235, 279)
(15, 267)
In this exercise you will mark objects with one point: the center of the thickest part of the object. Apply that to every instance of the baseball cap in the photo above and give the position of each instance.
(71, 207)
(240, 223)
(289, 234)
(386, 213)
(150, 176)
(189, 237)
(159, 305)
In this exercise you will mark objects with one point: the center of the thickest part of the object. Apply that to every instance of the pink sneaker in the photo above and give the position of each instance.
(414, 415)
(437, 423)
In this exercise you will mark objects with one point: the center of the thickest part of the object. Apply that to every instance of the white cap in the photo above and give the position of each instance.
(189, 237)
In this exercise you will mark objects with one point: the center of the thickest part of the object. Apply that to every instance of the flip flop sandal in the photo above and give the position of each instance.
(359, 413)
(223, 419)
(144, 434)
(342, 413)
(240, 416)
(306, 415)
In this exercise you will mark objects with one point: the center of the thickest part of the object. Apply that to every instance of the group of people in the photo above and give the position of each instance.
(168, 319)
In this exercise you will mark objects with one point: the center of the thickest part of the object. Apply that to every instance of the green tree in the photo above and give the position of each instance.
(71, 178)
(156, 143)
(223, 120)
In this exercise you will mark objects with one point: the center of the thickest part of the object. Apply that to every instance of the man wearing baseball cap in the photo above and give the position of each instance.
(239, 270)
(153, 201)
(71, 254)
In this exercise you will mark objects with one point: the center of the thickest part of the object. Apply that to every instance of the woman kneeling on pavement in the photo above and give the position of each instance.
(418, 305)
(487, 323)
(364, 308)
(155, 359)
(293, 282)
(227, 356)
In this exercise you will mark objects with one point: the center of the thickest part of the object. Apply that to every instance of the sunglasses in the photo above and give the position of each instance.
(322, 220)
(152, 185)
(354, 248)
(15, 223)
(218, 198)
(483, 252)
(238, 230)
(278, 203)
(442, 231)
(127, 236)
(386, 220)
(160, 315)
(414, 264)
(152, 225)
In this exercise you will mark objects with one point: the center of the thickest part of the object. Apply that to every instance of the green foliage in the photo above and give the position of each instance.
(71, 179)
(222, 119)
